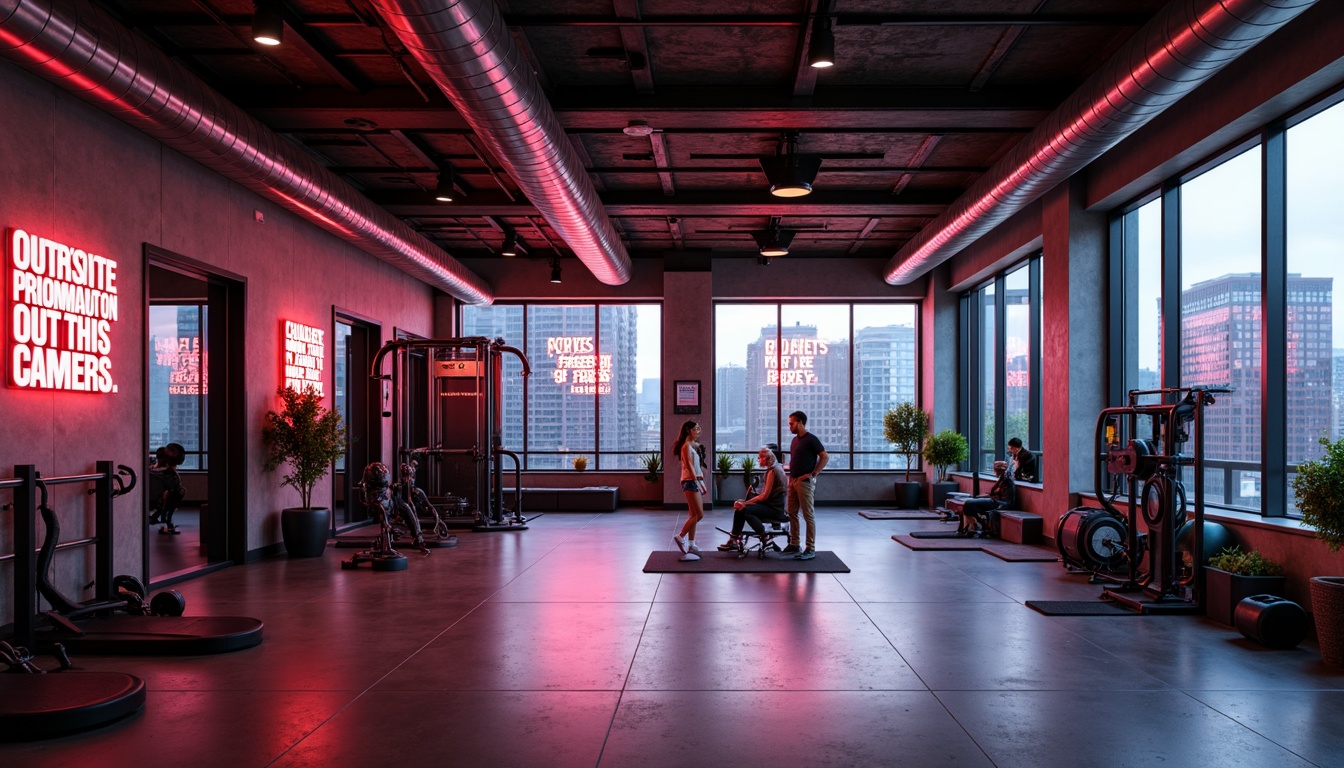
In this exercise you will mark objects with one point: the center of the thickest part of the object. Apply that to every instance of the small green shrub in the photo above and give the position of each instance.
(725, 464)
(1252, 563)
(653, 462)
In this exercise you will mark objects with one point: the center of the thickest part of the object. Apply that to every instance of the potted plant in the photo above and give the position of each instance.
(724, 465)
(943, 451)
(307, 438)
(580, 463)
(904, 427)
(653, 462)
(1318, 490)
(748, 466)
(1232, 576)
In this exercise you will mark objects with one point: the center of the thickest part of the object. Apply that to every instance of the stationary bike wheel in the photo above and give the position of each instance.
(1092, 539)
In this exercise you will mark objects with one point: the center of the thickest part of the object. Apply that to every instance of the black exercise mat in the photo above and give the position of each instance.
(729, 562)
(1004, 550)
(1079, 608)
(938, 535)
(899, 514)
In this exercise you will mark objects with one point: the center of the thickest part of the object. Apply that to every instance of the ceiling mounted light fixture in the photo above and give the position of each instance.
(774, 241)
(268, 25)
(443, 191)
(821, 48)
(555, 271)
(791, 174)
(510, 246)
(638, 128)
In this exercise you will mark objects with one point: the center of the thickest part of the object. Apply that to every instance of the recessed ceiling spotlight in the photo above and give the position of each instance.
(638, 128)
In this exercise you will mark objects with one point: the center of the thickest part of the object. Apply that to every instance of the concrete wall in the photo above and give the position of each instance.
(76, 175)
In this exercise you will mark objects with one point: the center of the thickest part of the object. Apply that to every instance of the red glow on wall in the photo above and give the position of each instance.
(305, 357)
(62, 303)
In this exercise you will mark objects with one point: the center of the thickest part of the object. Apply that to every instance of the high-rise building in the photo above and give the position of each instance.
(792, 369)
(572, 366)
(1220, 343)
(884, 377)
(1337, 395)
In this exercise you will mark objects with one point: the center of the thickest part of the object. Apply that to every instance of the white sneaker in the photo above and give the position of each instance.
(680, 542)
(688, 557)
(691, 546)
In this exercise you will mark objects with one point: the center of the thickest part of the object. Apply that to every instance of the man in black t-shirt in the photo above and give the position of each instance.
(1026, 469)
(807, 457)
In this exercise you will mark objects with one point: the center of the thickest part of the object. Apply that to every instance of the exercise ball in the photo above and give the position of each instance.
(1272, 621)
(1216, 538)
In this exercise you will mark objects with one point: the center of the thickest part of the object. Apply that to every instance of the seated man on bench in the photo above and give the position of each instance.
(982, 512)
(764, 507)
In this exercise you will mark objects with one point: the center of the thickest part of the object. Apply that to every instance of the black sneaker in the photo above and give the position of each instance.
(791, 549)
(806, 554)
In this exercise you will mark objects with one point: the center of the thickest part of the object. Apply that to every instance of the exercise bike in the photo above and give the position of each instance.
(1157, 563)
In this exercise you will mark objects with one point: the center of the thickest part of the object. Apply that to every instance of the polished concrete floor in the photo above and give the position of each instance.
(550, 647)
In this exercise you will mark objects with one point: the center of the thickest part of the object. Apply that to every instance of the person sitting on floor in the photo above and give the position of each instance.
(980, 514)
(766, 506)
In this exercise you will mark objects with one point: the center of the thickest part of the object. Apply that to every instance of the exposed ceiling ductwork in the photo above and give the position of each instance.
(1182, 47)
(469, 52)
(81, 49)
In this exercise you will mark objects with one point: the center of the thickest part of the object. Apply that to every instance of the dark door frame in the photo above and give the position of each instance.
(364, 403)
(226, 421)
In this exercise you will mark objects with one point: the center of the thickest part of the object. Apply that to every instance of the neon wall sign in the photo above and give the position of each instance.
(305, 357)
(62, 304)
(792, 362)
(577, 364)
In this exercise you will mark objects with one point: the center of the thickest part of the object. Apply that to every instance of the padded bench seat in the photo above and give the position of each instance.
(1021, 527)
(597, 498)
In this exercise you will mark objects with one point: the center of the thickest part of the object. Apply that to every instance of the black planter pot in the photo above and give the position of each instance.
(1223, 590)
(938, 493)
(305, 530)
(908, 494)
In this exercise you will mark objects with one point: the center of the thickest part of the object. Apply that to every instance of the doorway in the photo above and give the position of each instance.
(357, 401)
(193, 410)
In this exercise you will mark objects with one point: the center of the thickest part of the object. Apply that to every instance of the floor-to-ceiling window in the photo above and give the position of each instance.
(1001, 329)
(844, 365)
(1315, 259)
(594, 388)
(1254, 242)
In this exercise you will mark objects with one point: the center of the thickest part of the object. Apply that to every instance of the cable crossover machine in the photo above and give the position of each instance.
(1140, 452)
(462, 453)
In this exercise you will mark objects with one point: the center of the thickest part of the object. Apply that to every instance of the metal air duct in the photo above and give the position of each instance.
(77, 46)
(468, 51)
(1182, 47)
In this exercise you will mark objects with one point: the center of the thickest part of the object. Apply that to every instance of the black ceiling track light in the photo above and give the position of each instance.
(268, 24)
(821, 47)
(791, 174)
(773, 241)
(510, 245)
(443, 191)
(555, 270)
